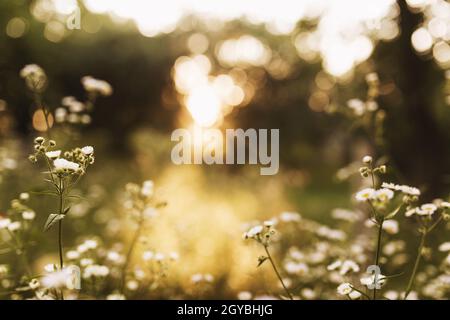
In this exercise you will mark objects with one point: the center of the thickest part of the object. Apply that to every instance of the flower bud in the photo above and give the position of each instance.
(39, 140)
(367, 160)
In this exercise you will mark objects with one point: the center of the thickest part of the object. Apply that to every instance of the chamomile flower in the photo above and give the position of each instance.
(384, 195)
(65, 166)
(426, 209)
(88, 150)
(344, 289)
(53, 154)
(365, 195)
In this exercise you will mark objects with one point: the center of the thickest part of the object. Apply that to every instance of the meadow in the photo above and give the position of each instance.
(338, 186)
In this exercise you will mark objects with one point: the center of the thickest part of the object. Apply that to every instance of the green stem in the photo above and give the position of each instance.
(377, 255)
(46, 113)
(130, 253)
(416, 265)
(277, 273)
(60, 242)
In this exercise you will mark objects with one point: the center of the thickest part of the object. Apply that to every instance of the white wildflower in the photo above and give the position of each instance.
(72, 255)
(28, 215)
(444, 247)
(244, 295)
(390, 226)
(344, 289)
(384, 194)
(115, 296)
(147, 188)
(4, 223)
(290, 216)
(403, 188)
(426, 209)
(93, 85)
(253, 232)
(24, 196)
(367, 159)
(88, 150)
(14, 226)
(62, 165)
(53, 154)
(365, 194)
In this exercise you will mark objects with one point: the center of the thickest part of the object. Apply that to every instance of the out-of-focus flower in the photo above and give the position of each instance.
(93, 85)
(426, 209)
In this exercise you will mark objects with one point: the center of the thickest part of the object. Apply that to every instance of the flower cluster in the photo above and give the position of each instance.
(95, 86)
(74, 162)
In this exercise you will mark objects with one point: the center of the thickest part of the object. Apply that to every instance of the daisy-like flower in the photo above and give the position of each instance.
(24, 196)
(88, 150)
(31, 70)
(444, 247)
(53, 154)
(62, 165)
(253, 232)
(4, 223)
(384, 194)
(445, 205)
(365, 195)
(426, 209)
(347, 266)
(403, 188)
(344, 289)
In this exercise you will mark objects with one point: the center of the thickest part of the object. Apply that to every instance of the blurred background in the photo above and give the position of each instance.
(300, 66)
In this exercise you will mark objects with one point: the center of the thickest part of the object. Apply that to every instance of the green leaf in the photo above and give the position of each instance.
(261, 260)
(393, 213)
(44, 193)
(52, 219)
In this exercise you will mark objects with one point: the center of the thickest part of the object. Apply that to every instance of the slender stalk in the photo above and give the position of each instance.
(40, 105)
(377, 255)
(130, 253)
(277, 273)
(416, 264)
(60, 242)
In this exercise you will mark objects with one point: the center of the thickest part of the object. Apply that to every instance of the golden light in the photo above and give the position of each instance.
(206, 97)
(204, 105)
(244, 51)
(421, 40)
(16, 27)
